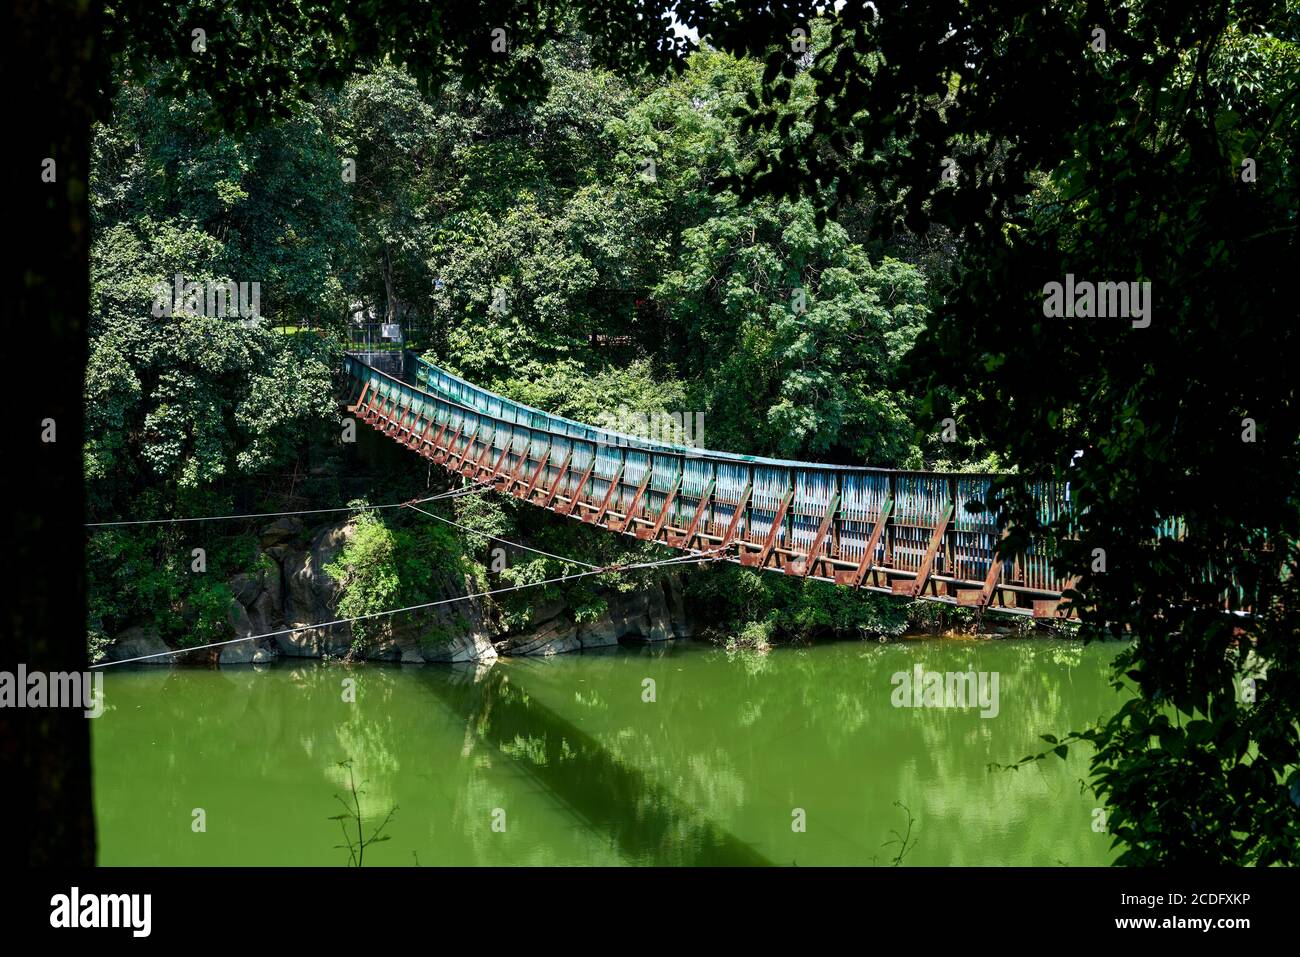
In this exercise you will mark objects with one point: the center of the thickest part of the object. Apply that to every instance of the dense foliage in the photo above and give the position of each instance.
(630, 285)
(934, 166)
(1150, 142)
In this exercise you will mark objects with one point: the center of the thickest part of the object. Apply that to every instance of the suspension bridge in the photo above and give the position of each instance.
(904, 533)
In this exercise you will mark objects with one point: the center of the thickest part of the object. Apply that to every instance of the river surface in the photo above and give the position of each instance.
(799, 756)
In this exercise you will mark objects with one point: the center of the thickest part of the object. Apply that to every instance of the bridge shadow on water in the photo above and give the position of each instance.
(643, 820)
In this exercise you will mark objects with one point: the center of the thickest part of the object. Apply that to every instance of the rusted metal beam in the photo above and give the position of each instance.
(469, 447)
(626, 522)
(653, 534)
(568, 507)
(440, 456)
(413, 436)
(855, 578)
(981, 597)
(495, 470)
(505, 483)
(550, 494)
(407, 413)
(391, 418)
(1051, 607)
(609, 494)
(431, 445)
(541, 468)
(424, 436)
(684, 540)
(736, 518)
(760, 560)
(475, 468)
(814, 550)
(932, 550)
(361, 399)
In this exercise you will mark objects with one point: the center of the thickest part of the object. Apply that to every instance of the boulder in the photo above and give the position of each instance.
(335, 641)
(244, 652)
(281, 532)
(136, 643)
(468, 647)
(550, 638)
(248, 586)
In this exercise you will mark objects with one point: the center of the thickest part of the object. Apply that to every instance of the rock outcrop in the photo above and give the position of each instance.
(288, 588)
(138, 643)
(654, 612)
(292, 589)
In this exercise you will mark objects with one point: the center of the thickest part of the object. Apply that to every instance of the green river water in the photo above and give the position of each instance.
(563, 761)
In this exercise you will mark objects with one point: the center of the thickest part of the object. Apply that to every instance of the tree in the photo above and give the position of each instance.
(1149, 142)
(253, 60)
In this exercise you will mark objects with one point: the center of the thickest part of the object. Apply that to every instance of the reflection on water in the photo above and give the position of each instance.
(575, 766)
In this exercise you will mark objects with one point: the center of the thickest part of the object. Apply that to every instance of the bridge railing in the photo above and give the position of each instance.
(906, 532)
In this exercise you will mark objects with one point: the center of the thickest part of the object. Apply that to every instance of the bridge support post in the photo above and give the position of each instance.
(653, 534)
(736, 518)
(609, 494)
(550, 494)
(568, 508)
(769, 543)
(917, 585)
(626, 522)
(804, 568)
(684, 541)
(855, 578)
(541, 467)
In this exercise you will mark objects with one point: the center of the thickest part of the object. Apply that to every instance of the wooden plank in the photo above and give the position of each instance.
(855, 578)
(814, 551)
(931, 551)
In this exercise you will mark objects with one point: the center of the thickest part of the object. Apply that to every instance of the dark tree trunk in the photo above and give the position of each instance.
(53, 72)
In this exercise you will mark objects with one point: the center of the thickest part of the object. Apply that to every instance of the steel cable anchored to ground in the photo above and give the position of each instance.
(454, 493)
(610, 570)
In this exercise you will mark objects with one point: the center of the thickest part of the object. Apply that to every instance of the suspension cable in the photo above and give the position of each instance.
(454, 493)
(497, 538)
(419, 607)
